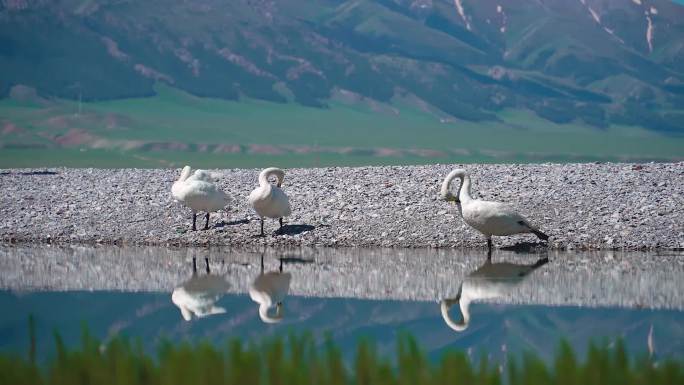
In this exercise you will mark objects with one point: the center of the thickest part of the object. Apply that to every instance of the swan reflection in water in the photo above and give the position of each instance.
(491, 280)
(269, 290)
(198, 296)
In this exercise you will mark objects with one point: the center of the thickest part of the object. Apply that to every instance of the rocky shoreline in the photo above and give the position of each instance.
(616, 206)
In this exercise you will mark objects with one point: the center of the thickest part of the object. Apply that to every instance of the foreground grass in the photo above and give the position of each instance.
(298, 360)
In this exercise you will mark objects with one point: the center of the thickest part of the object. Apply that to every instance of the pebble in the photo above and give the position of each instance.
(581, 206)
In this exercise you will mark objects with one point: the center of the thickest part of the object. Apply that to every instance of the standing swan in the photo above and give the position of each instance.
(199, 192)
(268, 200)
(491, 280)
(489, 218)
(269, 290)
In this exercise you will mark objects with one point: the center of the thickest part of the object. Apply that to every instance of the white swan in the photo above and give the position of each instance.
(489, 218)
(199, 193)
(197, 296)
(491, 280)
(268, 200)
(269, 291)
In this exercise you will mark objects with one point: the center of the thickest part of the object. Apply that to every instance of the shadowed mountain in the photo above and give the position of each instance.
(601, 62)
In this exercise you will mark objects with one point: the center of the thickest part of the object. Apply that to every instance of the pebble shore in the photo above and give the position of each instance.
(580, 206)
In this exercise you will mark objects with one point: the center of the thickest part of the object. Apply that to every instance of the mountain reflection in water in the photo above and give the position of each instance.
(514, 303)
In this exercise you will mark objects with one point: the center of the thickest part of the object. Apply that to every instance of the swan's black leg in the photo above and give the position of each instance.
(489, 248)
(194, 265)
(262, 227)
(281, 265)
(206, 224)
(262, 263)
(194, 221)
(206, 262)
(280, 220)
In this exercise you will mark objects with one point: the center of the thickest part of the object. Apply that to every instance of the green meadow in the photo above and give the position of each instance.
(170, 128)
(302, 360)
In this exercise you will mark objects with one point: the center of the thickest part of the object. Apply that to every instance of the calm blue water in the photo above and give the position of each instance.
(348, 294)
(494, 329)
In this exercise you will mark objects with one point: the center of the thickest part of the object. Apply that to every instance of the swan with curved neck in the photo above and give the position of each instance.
(490, 281)
(197, 296)
(198, 192)
(487, 217)
(270, 201)
(269, 290)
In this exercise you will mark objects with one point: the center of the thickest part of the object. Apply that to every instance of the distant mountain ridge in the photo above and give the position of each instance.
(601, 62)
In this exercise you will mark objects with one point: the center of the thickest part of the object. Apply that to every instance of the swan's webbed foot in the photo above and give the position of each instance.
(194, 221)
(206, 223)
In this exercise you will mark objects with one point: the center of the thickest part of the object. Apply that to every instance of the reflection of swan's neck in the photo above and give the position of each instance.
(446, 304)
(187, 314)
(271, 319)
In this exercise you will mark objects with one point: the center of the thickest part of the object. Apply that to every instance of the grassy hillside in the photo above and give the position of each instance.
(593, 61)
(174, 127)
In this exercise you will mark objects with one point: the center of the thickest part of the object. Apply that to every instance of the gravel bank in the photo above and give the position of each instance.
(581, 206)
(595, 278)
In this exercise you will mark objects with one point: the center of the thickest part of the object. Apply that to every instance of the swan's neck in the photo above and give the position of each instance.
(463, 193)
(185, 173)
(464, 304)
(464, 189)
(264, 175)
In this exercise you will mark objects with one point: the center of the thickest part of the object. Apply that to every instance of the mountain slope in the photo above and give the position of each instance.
(601, 62)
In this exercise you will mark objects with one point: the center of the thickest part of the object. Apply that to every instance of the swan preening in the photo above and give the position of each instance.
(270, 201)
(199, 193)
(489, 218)
(491, 280)
(269, 291)
(197, 296)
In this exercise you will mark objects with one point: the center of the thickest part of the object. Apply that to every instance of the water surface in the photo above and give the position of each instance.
(518, 301)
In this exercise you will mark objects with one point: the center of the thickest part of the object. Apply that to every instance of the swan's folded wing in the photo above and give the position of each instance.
(500, 210)
(494, 218)
(203, 175)
(280, 202)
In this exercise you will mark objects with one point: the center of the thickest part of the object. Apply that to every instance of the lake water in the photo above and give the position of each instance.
(519, 301)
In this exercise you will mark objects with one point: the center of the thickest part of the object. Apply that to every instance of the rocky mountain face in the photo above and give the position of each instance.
(597, 61)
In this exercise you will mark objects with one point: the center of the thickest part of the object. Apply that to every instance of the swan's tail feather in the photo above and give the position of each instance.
(540, 235)
(534, 231)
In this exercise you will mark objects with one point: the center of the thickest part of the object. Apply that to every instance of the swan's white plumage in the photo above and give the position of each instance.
(197, 296)
(267, 200)
(198, 191)
(489, 218)
(491, 280)
(269, 290)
